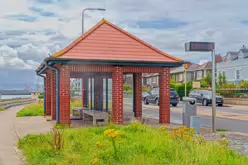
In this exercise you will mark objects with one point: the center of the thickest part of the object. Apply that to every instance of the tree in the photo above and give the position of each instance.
(224, 79)
(208, 79)
(220, 79)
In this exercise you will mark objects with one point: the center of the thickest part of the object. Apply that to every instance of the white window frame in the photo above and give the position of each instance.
(197, 74)
(236, 74)
(154, 79)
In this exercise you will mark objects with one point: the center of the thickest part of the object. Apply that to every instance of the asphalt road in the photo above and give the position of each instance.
(151, 111)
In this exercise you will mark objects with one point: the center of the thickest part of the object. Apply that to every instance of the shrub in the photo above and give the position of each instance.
(36, 109)
(181, 89)
(244, 84)
(127, 87)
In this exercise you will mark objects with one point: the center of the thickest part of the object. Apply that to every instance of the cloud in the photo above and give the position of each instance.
(33, 28)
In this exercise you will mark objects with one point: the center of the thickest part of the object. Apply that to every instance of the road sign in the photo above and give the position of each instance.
(206, 47)
(196, 84)
(186, 66)
(199, 46)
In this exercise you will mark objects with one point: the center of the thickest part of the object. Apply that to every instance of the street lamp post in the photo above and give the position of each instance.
(100, 9)
(213, 92)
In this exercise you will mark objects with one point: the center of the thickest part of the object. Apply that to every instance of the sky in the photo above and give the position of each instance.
(30, 30)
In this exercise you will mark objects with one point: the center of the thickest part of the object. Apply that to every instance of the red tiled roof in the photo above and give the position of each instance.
(107, 42)
(218, 59)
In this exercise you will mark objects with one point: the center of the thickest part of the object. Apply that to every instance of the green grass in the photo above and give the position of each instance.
(1, 109)
(139, 145)
(221, 130)
(36, 109)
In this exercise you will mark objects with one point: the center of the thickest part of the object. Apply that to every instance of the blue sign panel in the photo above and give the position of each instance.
(199, 46)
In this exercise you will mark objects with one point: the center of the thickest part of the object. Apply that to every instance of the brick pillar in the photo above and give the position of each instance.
(48, 93)
(164, 95)
(53, 94)
(117, 95)
(65, 96)
(138, 95)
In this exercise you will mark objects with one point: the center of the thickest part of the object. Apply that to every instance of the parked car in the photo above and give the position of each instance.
(144, 94)
(153, 97)
(205, 97)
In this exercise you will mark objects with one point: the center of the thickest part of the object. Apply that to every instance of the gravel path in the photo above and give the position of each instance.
(237, 141)
(8, 137)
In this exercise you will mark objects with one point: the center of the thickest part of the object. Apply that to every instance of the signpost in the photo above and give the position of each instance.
(207, 47)
(186, 66)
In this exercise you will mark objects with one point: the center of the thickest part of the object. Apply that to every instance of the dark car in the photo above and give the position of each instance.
(153, 97)
(205, 97)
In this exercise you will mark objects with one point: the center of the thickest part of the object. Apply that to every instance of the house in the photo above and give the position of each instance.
(202, 71)
(194, 72)
(234, 66)
(178, 73)
(150, 79)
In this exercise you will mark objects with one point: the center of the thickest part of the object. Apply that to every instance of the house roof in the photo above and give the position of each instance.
(107, 42)
(182, 69)
(208, 65)
(204, 66)
(218, 58)
(234, 55)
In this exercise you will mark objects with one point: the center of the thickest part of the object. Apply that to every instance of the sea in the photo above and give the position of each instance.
(12, 97)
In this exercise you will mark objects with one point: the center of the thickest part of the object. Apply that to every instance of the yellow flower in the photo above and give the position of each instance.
(95, 161)
(163, 128)
(113, 134)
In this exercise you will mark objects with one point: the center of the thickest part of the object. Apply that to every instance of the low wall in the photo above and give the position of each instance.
(20, 102)
(236, 101)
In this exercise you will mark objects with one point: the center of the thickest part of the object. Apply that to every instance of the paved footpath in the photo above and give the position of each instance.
(12, 127)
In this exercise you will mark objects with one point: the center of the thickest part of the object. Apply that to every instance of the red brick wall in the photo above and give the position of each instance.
(138, 95)
(65, 96)
(48, 93)
(117, 96)
(164, 92)
(53, 94)
(104, 68)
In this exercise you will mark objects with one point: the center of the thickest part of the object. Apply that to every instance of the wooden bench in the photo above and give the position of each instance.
(78, 111)
(97, 115)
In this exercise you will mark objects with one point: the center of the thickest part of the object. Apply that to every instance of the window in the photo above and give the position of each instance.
(154, 79)
(180, 77)
(199, 75)
(237, 74)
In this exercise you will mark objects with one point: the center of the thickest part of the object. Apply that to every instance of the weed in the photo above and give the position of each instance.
(138, 144)
(221, 130)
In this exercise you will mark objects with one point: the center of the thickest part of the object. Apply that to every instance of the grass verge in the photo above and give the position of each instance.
(221, 130)
(1, 109)
(36, 109)
(135, 144)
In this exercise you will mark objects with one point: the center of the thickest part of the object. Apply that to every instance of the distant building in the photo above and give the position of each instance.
(178, 74)
(14, 94)
(150, 79)
(194, 72)
(234, 66)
